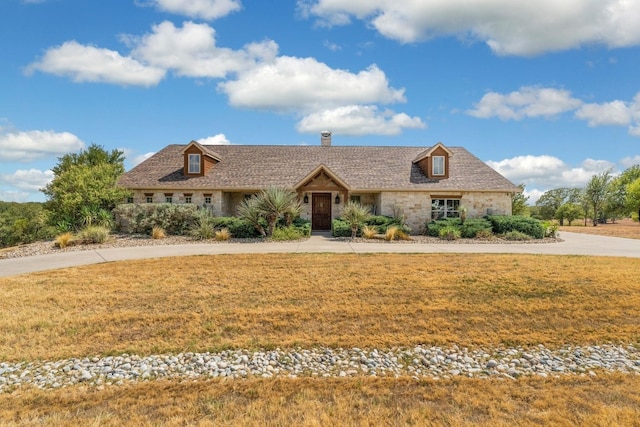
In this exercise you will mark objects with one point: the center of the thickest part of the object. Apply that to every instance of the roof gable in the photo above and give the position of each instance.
(204, 150)
(321, 177)
(429, 152)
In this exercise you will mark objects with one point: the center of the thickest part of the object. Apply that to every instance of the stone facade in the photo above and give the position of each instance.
(416, 206)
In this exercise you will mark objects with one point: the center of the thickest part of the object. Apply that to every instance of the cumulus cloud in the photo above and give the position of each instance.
(507, 27)
(627, 162)
(14, 196)
(28, 146)
(292, 84)
(614, 113)
(218, 139)
(91, 64)
(544, 172)
(191, 51)
(525, 102)
(27, 180)
(359, 120)
(203, 9)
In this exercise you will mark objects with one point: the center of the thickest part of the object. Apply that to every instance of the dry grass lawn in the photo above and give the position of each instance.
(623, 228)
(384, 300)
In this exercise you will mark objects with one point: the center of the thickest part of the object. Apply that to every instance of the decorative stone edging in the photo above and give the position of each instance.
(418, 362)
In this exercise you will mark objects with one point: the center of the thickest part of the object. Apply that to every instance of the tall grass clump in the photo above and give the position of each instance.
(64, 240)
(222, 235)
(449, 232)
(158, 233)
(391, 233)
(369, 231)
(93, 234)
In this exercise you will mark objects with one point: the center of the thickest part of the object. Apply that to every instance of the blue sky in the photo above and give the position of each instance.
(546, 92)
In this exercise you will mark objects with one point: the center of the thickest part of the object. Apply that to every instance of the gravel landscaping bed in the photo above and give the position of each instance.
(128, 240)
(418, 362)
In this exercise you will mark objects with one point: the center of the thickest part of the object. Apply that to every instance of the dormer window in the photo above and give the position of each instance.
(194, 163)
(438, 165)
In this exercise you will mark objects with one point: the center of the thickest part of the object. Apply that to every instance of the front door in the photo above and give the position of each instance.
(321, 211)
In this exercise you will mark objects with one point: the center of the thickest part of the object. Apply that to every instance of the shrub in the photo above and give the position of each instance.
(502, 224)
(93, 234)
(369, 231)
(173, 218)
(238, 227)
(449, 232)
(64, 240)
(470, 228)
(223, 234)
(433, 227)
(484, 234)
(340, 228)
(550, 229)
(355, 215)
(516, 235)
(286, 233)
(158, 233)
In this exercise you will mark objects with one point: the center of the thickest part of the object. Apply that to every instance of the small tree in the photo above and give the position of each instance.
(597, 191)
(270, 205)
(519, 202)
(568, 211)
(355, 215)
(633, 196)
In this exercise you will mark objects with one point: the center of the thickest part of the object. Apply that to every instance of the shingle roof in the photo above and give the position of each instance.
(361, 168)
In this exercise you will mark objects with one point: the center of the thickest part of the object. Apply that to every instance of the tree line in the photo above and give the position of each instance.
(604, 197)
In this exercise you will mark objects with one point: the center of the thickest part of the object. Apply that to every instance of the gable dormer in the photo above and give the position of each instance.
(434, 162)
(198, 160)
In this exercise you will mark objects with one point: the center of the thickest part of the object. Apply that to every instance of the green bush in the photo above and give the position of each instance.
(93, 234)
(176, 219)
(550, 229)
(340, 228)
(502, 224)
(286, 233)
(472, 227)
(516, 235)
(433, 228)
(238, 227)
(303, 226)
(449, 232)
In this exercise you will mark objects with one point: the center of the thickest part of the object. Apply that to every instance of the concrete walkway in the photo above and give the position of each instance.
(573, 244)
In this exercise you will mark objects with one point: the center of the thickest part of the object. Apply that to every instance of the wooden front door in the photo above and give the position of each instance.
(321, 211)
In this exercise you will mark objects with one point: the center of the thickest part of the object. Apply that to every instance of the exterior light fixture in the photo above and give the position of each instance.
(306, 198)
(337, 199)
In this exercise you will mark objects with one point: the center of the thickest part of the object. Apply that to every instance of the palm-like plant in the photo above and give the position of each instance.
(355, 215)
(275, 202)
(248, 210)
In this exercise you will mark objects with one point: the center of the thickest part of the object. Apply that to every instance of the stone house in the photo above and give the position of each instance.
(424, 183)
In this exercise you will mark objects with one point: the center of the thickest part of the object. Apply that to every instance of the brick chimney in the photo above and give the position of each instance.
(325, 138)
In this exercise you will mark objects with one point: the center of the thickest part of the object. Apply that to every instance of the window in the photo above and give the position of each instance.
(187, 199)
(194, 163)
(444, 208)
(168, 197)
(355, 199)
(438, 165)
(207, 199)
(129, 199)
(148, 197)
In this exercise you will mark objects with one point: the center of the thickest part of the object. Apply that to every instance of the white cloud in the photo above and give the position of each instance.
(191, 51)
(142, 157)
(294, 84)
(218, 139)
(627, 162)
(13, 196)
(614, 113)
(204, 9)
(27, 180)
(91, 64)
(358, 120)
(32, 145)
(508, 27)
(542, 173)
(526, 102)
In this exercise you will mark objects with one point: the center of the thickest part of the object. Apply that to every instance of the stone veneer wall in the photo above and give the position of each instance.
(417, 205)
(197, 198)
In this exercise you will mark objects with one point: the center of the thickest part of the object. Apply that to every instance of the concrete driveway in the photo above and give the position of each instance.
(573, 244)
